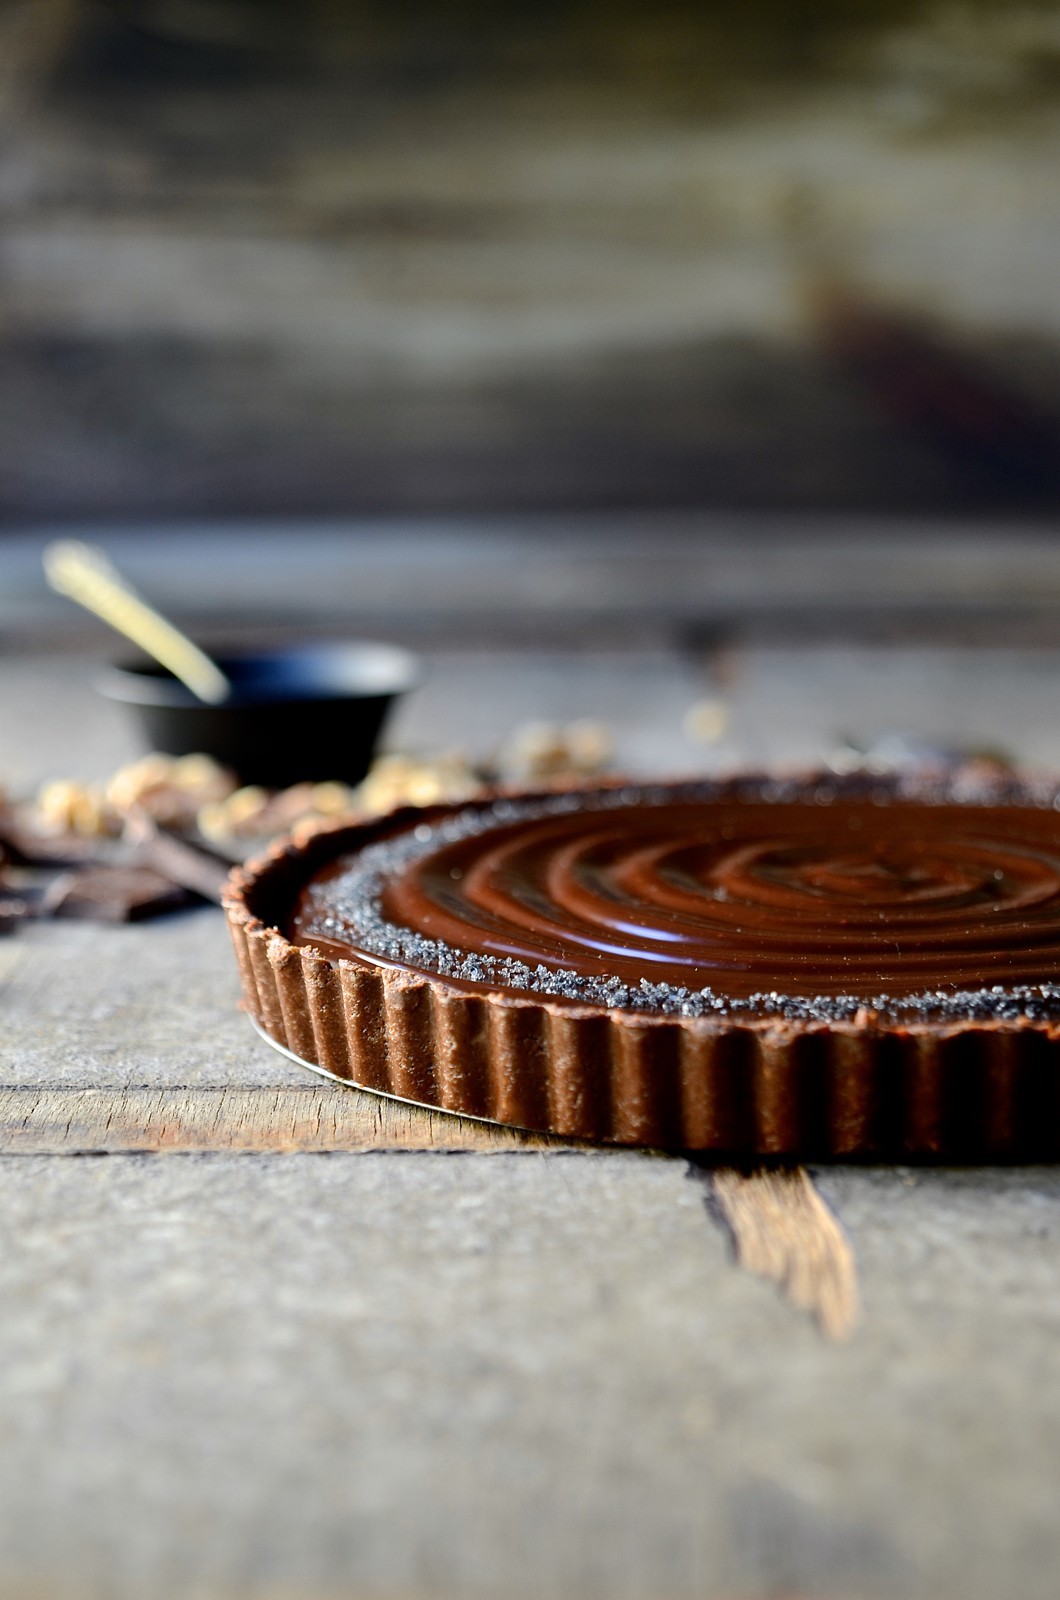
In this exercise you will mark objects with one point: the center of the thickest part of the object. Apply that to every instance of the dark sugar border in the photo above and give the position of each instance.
(354, 913)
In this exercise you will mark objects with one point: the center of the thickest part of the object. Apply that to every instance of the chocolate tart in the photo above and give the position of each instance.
(824, 966)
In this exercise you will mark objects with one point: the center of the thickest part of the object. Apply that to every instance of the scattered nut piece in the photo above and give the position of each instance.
(244, 807)
(552, 750)
(132, 784)
(706, 721)
(332, 799)
(213, 824)
(405, 780)
(590, 745)
(195, 792)
(169, 789)
(67, 807)
(203, 777)
(254, 813)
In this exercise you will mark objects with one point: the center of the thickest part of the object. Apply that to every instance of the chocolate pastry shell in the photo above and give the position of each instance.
(867, 1087)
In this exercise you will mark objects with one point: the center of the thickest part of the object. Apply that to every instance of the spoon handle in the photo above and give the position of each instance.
(84, 574)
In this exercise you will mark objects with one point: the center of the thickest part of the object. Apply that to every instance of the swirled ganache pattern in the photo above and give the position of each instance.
(705, 899)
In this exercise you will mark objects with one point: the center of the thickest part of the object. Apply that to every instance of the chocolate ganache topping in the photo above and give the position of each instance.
(696, 900)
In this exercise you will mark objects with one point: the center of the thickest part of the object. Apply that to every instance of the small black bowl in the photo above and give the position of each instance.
(311, 712)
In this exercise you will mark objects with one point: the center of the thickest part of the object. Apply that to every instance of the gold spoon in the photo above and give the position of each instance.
(83, 573)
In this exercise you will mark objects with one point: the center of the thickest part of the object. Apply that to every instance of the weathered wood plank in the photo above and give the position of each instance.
(781, 1228)
(75, 1121)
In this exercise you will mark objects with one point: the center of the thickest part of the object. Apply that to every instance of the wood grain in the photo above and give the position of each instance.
(76, 1121)
(783, 1230)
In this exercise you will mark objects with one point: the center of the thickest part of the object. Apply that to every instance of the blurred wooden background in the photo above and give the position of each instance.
(358, 257)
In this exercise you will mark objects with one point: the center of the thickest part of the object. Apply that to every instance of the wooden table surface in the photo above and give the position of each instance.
(262, 1336)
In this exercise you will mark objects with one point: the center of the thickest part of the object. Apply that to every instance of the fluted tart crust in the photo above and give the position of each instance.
(845, 967)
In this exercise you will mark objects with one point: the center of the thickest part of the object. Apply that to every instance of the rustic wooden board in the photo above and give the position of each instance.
(780, 1227)
(285, 1355)
(36, 1121)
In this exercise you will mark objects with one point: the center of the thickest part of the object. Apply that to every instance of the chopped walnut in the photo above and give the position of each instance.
(203, 778)
(67, 807)
(551, 750)
(132, 785)
(254, 813)
(169, 789)
(194, 791)
(332, 799)
(706, 721)
(407, 780)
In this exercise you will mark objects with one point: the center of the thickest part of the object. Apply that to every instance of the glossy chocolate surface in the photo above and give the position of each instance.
(735, 896)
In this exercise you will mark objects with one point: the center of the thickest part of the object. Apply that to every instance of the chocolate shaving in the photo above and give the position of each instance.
(28, 846)
(188, 865)
(112, 894)
(147, 872)
(20, 897)
(14, 908)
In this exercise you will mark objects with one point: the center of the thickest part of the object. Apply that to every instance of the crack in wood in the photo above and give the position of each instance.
(782, 1229)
